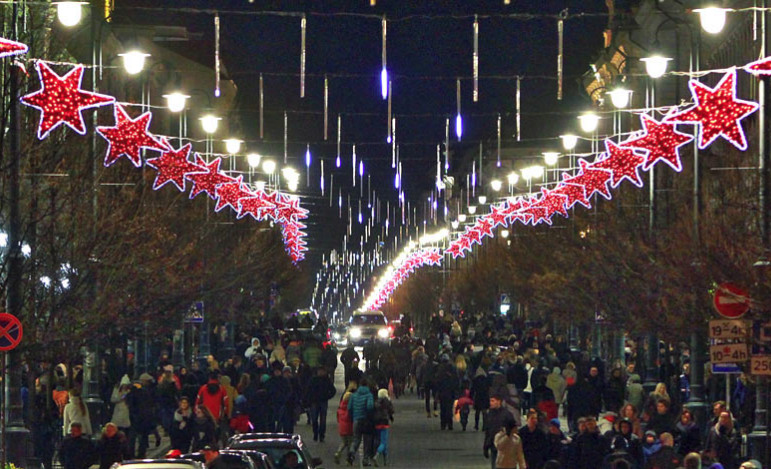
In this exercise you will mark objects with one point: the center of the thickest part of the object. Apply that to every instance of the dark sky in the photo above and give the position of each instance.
(425, 53)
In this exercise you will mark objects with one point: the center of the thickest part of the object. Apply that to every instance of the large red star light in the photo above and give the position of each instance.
(128, 137)
(622, 163)
(258, 207)
(485, 227)
(61, 101)
(208, 179)
(591, 179)
(574, 194)
(717, 112)
(553, 202)
(8, 48)
(498, 216)
(230, 193)
(173, 166)
(661, 141)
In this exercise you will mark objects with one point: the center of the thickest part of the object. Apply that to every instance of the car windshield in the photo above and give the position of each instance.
(368, 319)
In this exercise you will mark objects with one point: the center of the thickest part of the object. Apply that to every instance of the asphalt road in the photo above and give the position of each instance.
(415, 440)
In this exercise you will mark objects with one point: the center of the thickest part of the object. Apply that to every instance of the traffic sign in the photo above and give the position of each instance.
(728, 329)
(760, 365)
(10, 332)
(731, 300)
(726, 369)
(728, 353)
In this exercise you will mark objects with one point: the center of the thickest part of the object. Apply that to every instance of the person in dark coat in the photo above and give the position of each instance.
(666, 457)
(579, 401)
(594, 392)
(320, 390)
(447, 388)
(615, 390)
(182, 426)
(279, 391)
(497, 418)
(143, 415)
(661, 421)
(258, 405)
(559, 442)
(112, 446)
(480, 393)
(590, 447)
(204, 429)
(687, 436)
(534, 442)
(722, 442)
(76, 450)
(619, 452)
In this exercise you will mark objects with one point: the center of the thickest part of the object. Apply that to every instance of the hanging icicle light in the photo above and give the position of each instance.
(286, 137)
(396, 180)
(498, 157)
(391, 131)
(384, 85)
(476, 59)
(339, 133)
(321, 180)
(326, 108)
(519, 108)
(458, 118)
(560, 50)
(361, 168)
(308, 156)
(303, 24)
(217, 55)
(353, 166)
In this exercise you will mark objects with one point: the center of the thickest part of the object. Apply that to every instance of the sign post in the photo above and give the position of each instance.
(11, 333)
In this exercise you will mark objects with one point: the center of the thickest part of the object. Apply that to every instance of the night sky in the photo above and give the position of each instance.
(425, 56)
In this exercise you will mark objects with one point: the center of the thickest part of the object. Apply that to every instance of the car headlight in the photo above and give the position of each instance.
(383, 333)
(355, 332)
(336, 335)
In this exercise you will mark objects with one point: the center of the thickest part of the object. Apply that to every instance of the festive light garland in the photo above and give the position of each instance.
(61, 100)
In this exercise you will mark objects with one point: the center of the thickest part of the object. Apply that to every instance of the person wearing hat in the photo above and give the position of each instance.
(590, 447)
(619, 456)
(279, 394)
(143, 415)
(557, 441)
(497, 417)
(212, 458)
(509, 448)
(651, 445)
(666, 457)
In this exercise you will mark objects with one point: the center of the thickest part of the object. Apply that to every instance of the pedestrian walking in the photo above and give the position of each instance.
(534, 442)
(345, 422)
(112, 447)
(361, 406)
(204, 429)
(144, 415)
(182, 426)
(320, 390)
(76, 450)
(480, 393)
(688, 436)
(496, 418)
(76, 412)
(447, 386)
(722, 442)
(384, 416)
(120, 410)
(463, 407)
(508, 445)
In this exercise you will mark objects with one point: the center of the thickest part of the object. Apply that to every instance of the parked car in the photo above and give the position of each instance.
(279, 448)
(159, 464)
(237, 459)
(263, 436)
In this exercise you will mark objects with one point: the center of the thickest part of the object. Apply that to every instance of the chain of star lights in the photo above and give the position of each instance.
(61, 100)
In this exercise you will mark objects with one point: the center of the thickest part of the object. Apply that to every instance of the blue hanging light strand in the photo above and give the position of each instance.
(458, 118)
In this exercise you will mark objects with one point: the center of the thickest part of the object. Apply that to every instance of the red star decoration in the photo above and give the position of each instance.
(129, 136)
(290, 211)
(8, 47)
(208, 179)
(661, 141)
(277, 200)
(760, 67)
(574, 193)
(230, 193)
(473, 235)
(455, 250)
(498, 215)
(61, 101)
(258, 207)
(485, 227)
(535, 214)
(512, 209)
(434, 257)
(172, 166)
(553, 202)
(592, 180)
(717, 112)
(622, 164)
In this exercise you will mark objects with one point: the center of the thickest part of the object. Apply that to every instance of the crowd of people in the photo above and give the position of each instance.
(538, 402)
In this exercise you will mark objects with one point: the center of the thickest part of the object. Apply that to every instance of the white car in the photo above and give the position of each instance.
(368, 326)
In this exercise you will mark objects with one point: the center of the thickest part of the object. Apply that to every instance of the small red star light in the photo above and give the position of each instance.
(623, 163)
(173, 166)
(128, 137)
(661, 141)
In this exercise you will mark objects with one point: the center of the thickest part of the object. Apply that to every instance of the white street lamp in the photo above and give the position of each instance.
(512, 178)
(462, 218)
(551, 157)
(269, 166)
(589, 121)
(253, 159)
(655, 66)
(504, 234)
(210, 123)
(176, 102)
(455, 224)
(233, 145)
(26, 250)
(482, 199)
(496, 184)
(569, 141)
(472, 209)
(712, 19)
(69, 13)
(133, 61)
(3, 239)
(620, 97)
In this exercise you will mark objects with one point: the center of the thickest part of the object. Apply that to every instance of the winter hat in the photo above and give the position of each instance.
(146, 378)
(716, 465)
(169, 368)
(382, 394)
(650, 433)
(287, 368)
(555, 422)
(240, 400)
(125, 380)
(264, 379)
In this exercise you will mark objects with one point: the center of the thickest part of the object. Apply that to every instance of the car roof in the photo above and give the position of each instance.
(160, 463)
(267, 443)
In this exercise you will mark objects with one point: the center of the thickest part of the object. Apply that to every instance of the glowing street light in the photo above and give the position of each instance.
(69, 13)
(589, 121)
(482, 199)
(269, 166)
(176, 102)
(512, 178)
(253, 159)
(134, 61)
(656, 66)
(496, 184)
(210, 123)
(712, 19)
(551, 157)
(620, 97)
(233, 145)
(569, 141)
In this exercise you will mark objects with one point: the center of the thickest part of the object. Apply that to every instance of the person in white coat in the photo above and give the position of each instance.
(76, 411)
(120, 412)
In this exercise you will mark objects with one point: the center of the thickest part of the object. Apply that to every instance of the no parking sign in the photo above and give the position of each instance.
(10, 332)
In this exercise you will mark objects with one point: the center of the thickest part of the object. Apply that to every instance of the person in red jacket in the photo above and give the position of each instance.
(464, 408)
(344, 422)
(214, 397)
